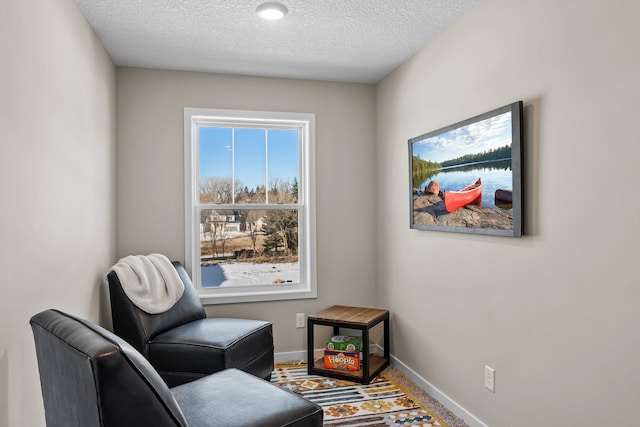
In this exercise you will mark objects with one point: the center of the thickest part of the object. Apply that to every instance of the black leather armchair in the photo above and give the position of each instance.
(183, 344)
(90, 377)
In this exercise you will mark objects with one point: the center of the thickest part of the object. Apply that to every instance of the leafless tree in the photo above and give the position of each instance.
(216, 189)
(280, 191)
(251, 219)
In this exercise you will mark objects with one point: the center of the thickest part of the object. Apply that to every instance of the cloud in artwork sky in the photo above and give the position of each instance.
(473, 138)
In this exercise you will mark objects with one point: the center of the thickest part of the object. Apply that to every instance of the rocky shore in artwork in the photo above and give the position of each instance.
(428, 209)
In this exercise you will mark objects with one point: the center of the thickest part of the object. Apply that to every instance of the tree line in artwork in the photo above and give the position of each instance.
(495, 154)
(425, 169)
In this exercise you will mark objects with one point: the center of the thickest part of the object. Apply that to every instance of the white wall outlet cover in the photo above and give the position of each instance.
(490, 378)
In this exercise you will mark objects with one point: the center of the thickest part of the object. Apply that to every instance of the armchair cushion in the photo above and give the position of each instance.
(198, 348)
(255, 402)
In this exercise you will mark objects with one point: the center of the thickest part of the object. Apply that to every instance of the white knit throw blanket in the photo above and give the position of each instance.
(150, 282)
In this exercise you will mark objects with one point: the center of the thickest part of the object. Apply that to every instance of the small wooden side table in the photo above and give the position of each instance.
(363, 319)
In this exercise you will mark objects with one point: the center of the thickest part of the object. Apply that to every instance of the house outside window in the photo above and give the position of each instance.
(250, 204)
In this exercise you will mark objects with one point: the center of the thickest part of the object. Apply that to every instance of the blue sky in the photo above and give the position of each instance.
(253, 156)
(474, 138)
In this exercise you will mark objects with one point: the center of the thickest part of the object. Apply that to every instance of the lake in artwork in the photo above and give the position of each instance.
(495, 175)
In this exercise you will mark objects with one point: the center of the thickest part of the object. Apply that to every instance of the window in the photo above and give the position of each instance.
(250, 204)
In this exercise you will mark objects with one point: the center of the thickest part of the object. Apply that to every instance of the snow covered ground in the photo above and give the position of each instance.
(248, 274)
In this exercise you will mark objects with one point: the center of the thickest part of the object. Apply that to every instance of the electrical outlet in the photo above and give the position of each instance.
(490, 378)
(300, 318)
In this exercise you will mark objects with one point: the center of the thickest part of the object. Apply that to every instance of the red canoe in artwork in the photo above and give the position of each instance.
(471, 194)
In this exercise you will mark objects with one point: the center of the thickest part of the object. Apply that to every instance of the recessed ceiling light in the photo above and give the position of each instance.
(271, 11)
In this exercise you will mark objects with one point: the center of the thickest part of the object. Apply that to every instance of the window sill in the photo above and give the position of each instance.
(230, 296)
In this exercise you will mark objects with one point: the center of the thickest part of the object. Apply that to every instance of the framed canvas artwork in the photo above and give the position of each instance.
(467, 177)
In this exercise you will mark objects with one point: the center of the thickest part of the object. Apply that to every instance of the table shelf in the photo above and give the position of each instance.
(376, 364)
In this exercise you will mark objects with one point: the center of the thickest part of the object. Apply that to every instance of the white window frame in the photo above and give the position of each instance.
(305, 122)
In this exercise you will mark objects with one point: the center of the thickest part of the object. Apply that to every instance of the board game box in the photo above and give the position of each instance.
(342, 360)
(344, 343)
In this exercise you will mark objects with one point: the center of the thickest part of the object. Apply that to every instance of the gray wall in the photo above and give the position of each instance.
(554, 312)
(57, 175)
(150, 195)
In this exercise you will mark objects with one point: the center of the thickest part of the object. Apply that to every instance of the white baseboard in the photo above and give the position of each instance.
(449, 403)
(290, 355)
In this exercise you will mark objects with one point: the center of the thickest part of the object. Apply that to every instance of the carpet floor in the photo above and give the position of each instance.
(391, 399)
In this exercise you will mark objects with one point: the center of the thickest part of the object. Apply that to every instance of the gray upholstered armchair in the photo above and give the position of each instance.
(183, 344)
(92, 378)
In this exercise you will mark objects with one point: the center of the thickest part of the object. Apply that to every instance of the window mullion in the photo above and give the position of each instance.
(266, 166)
(233, 165)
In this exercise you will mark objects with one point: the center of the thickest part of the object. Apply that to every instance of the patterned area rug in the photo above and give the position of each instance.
(345, 403)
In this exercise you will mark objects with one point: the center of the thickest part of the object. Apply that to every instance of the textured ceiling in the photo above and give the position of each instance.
(336, 40)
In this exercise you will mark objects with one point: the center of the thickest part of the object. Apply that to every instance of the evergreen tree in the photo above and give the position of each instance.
(294, 191)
